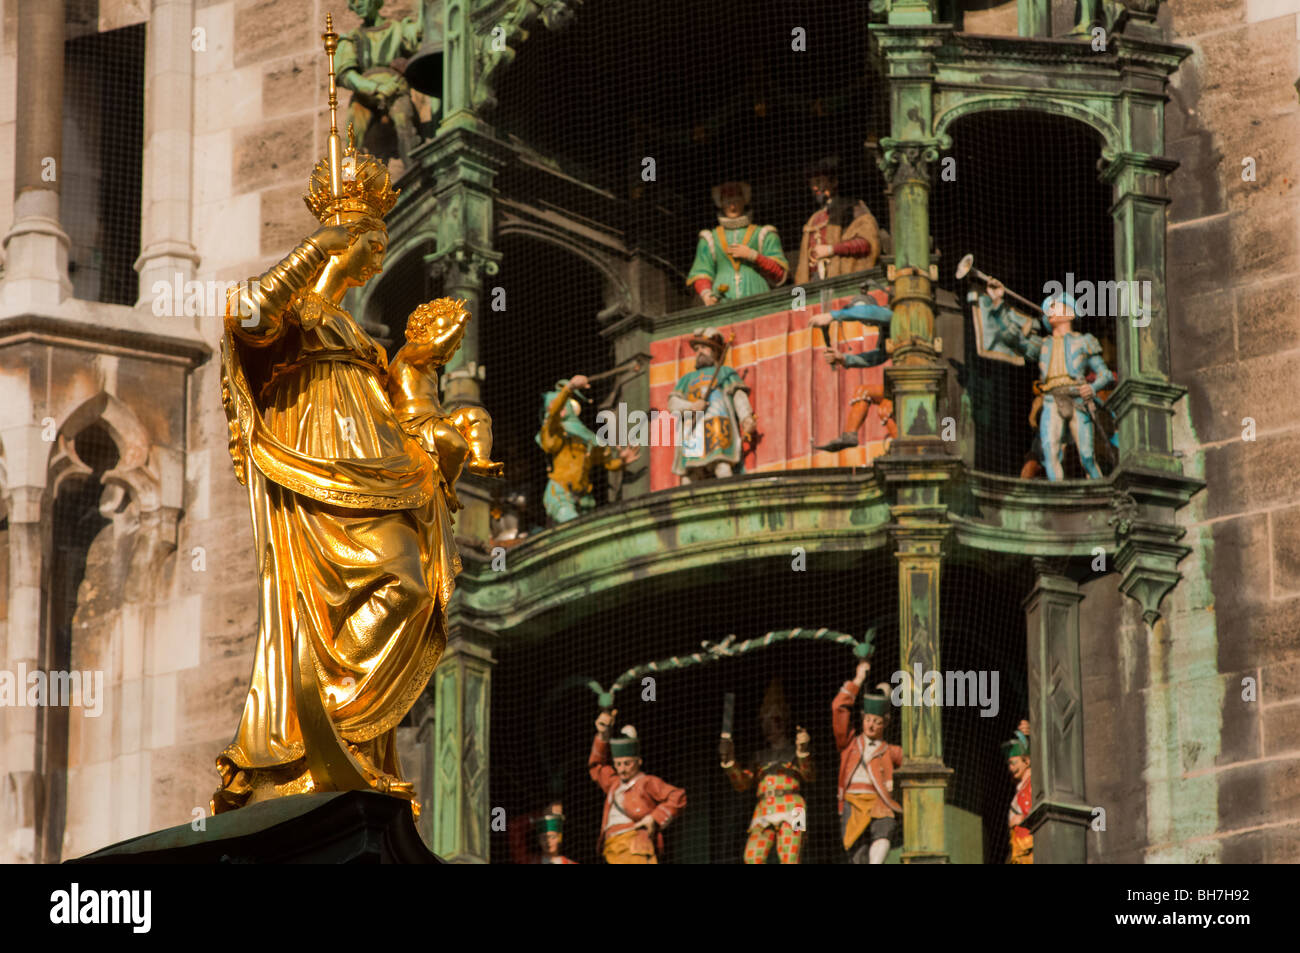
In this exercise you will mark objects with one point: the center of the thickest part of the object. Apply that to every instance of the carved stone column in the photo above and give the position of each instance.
(20, 784)
(462, 693)
(923, 775)
(166, 249)
(1060, 815)
(36, 248)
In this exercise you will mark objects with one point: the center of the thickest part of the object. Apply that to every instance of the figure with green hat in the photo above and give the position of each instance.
(713, 401)
(574, 450)
(638, 806)
(536, 837)
(868, 810)
(1016, 751)
(550, 834)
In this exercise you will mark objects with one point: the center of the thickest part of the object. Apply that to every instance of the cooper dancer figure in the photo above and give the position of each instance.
(638, 806)
(868, 810)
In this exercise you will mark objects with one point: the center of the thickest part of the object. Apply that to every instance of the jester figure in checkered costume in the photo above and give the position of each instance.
(716, 414)
(777, 773)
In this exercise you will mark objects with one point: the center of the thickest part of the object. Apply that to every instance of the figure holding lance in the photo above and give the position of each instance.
(719, 399)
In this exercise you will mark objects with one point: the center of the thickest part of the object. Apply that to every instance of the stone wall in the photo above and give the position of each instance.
(1222, 772)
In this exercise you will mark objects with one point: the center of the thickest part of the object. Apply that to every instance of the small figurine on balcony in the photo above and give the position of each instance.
(370, 62)
(842, 236)
(868, 810)
(1016, 751)
(780, 816)
(1065, 358)
(715, 402)
(638, 806)
(738, 258)
(574, 449)
(871, 307)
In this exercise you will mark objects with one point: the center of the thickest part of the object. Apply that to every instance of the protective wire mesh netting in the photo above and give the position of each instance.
(1021, 193)
(101, 166)
(709, 100)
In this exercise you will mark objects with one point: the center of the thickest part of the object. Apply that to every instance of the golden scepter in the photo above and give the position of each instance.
(331, 41)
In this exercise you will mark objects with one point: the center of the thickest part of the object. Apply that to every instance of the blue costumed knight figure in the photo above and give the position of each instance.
(714, 403)
(1069, 401)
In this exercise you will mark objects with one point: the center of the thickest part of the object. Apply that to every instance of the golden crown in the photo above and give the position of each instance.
(365, 185)
(351, 181)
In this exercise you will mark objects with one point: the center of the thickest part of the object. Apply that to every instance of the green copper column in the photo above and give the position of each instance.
(917, 466)
(462, 696)
(1060, 815)
(923, 776)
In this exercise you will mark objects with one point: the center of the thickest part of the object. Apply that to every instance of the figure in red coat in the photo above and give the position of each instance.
(868, 810)
(638, 806)
(1021, 838)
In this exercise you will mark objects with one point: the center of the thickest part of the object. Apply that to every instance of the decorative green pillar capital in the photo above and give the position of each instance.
(464, 164)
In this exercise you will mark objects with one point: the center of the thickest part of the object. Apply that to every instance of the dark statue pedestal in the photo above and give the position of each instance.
(352, 827)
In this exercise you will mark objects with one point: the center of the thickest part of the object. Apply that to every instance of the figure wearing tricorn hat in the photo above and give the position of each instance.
(1016, 753)
(574, 450)
(737, 258)
(778, 772)
(638, 806)
(868, 809)
(717, 415)
(842, 236)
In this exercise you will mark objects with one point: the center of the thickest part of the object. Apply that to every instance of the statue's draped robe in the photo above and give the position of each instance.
(352, 537)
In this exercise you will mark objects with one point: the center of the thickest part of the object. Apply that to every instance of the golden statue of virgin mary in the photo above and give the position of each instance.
(351, 526)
